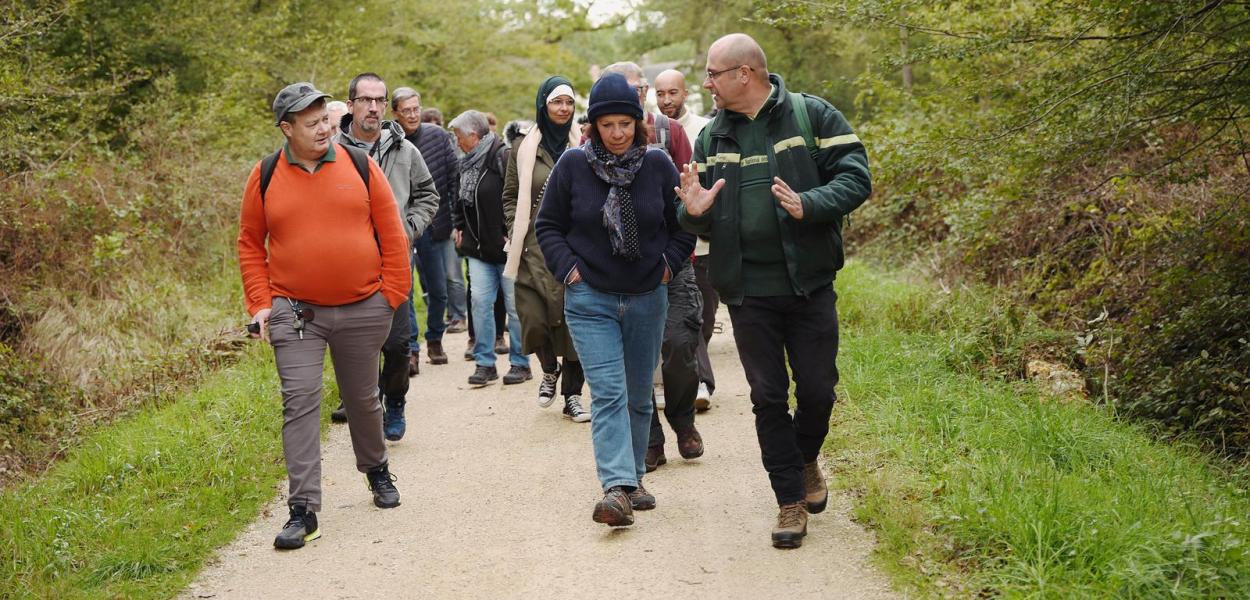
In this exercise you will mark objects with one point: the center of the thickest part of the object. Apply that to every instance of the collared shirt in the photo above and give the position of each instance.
(325, 158)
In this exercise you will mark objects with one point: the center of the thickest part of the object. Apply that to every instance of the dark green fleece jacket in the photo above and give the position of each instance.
(832, 181)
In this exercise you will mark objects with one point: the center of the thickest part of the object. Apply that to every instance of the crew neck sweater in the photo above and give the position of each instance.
(323, 237)
(571, 233)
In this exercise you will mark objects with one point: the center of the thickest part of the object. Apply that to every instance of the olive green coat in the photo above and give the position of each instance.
(539, 297)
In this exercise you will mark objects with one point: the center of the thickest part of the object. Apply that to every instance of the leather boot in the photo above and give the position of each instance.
(435, 350)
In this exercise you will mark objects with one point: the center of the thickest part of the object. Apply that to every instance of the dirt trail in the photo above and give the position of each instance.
(497, 495)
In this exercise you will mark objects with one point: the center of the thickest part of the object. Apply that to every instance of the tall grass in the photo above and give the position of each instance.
(982, 486)
(135, 510)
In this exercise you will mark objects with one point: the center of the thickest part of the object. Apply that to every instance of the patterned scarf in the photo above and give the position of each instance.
(619, 217)
(471, 165)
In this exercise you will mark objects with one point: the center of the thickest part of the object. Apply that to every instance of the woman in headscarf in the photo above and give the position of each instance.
(608, 230)
(539, 296)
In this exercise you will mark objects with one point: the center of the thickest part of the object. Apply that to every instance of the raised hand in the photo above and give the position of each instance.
(697, 198)
(788, 198)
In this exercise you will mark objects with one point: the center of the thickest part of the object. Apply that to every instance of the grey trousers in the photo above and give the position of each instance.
(354, 334)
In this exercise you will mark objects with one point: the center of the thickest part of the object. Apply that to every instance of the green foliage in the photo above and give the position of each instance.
(137, 509)
(987, 488)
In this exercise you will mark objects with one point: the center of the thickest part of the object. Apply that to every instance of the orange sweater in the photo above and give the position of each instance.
(320, 230)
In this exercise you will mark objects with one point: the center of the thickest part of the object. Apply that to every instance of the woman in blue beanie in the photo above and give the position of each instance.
(608, 230)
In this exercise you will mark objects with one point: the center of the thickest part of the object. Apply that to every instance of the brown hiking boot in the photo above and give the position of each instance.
(641, 499)
(434, 348)
(654, 458)
(814, 484)
(689, 442)
(614, 510)
(414, 364)
(791, 526)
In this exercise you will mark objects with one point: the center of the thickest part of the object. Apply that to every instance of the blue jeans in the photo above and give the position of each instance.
(430, 263)
(453, 266)
(487, 280)
(618, 340)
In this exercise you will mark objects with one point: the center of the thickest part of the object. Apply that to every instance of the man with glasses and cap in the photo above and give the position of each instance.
(324, 259)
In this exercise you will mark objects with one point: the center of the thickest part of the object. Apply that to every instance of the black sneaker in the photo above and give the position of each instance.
(573, 409)
(547, 388)
(339, 415)
(517, 375)
(382, 484)
(483, 376)
(299, 529)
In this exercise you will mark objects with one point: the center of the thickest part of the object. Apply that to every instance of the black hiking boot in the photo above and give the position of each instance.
(382, 484)
(299, 529)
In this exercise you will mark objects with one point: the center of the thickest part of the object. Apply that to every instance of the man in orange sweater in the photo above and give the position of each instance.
(324, 258)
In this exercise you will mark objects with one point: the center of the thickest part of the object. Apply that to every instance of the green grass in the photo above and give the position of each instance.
(979, 485)
(134, 510)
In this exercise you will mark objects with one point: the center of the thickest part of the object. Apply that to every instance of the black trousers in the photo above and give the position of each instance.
(710, 300)
(678, 365)
(571, 376)
(769, 331)
(393, 380)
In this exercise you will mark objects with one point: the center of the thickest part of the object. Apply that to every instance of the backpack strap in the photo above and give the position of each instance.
(803, 120)
(662, 133)
(360, 160)
(705, 139)
(267, 166)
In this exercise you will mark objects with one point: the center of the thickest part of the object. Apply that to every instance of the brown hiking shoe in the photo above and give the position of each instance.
(814, 484)
(791, 526)
(641, 499)
(414, 364)
(655, 458)
(689, 442)
(614, 510)
(434, 349)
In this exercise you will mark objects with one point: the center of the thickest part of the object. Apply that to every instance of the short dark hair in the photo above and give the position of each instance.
(432, 115)
(366, 76)
(640, 132)
(289, 117)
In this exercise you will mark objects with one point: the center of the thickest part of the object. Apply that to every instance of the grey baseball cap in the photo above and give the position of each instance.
(294, 98)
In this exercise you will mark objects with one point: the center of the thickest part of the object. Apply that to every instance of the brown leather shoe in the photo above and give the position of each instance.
(814, 484)
(791, 526)
(614, 510)
(654, 458)
(689, 442)
(434, 348)
(457, 326)
(414, 364)
(641, 499)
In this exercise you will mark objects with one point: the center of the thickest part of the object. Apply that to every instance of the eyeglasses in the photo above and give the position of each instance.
(410, 112)
(366, 100)
(711, 75)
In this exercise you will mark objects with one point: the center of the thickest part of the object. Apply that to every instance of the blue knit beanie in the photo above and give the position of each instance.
(611, 95)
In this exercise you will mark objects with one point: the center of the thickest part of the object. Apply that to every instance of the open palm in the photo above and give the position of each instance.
(698, 199)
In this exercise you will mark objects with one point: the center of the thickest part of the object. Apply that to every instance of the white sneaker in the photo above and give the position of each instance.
(573, 410)
(659, 396)
(703, 399)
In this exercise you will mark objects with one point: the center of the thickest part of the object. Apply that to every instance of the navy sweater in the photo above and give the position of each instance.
(571, 233)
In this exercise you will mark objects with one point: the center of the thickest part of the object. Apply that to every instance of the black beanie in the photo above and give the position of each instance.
(611, 95)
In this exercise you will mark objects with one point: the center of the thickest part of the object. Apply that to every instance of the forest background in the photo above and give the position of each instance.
(1086, 161)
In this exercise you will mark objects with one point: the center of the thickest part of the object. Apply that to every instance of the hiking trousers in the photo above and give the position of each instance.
(354, 333)
(678, 362)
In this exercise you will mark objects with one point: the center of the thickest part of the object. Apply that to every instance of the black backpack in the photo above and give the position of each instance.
(360, 159)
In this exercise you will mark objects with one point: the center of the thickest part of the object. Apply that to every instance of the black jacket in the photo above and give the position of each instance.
(438, 148)
(483, 226)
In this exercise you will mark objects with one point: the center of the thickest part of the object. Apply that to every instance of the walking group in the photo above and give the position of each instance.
(603, 250)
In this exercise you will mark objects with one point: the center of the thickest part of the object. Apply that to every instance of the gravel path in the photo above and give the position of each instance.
(497, 495)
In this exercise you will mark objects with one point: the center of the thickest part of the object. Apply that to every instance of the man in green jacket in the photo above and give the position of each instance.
(773, 176)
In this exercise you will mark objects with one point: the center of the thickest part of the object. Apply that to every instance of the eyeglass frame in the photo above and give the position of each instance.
(368, 99)
(712, 75)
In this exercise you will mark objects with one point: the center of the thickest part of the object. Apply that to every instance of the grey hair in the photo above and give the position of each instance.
(339, 104)
(402, 94)
(627, 69)
(471, 121)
